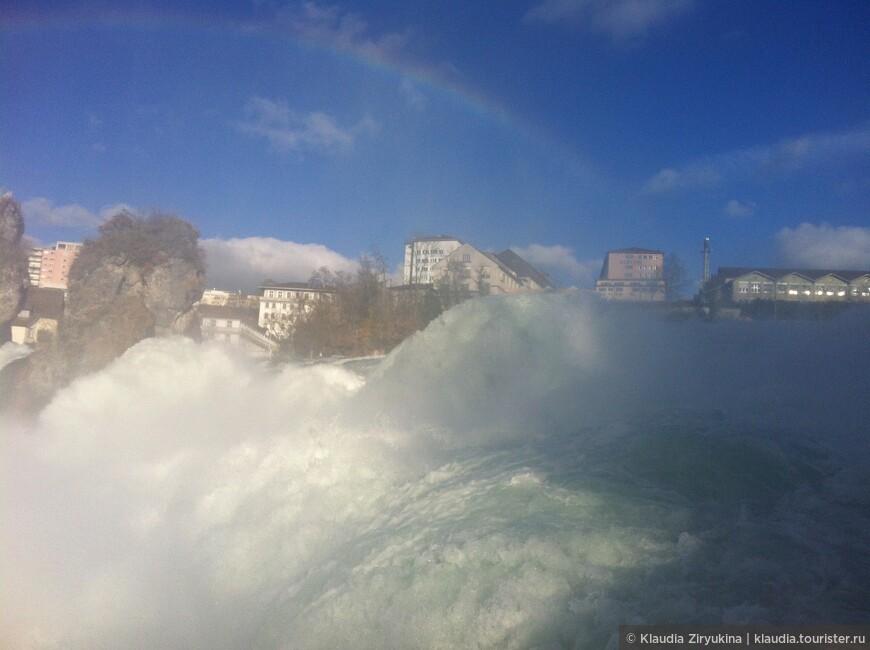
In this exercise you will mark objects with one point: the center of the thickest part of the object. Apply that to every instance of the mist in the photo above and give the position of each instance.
(529, 471)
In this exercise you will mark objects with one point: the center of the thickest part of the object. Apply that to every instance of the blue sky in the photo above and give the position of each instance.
(299, 134)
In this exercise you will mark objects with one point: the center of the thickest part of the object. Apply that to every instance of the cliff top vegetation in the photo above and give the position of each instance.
(142, 242)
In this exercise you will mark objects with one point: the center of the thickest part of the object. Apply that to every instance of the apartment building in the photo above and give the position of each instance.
(49, 267)
(282, 303)
(421, 256)
(632, 274)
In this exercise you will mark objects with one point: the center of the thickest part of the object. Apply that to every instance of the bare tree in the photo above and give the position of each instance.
(674, 274)
(363, 316)
(452, 286)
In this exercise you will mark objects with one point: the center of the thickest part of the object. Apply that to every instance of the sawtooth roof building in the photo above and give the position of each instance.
(744, 284)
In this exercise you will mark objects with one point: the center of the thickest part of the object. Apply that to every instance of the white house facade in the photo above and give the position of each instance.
(422, 254)
(476, 272)
(236, 327)
(282, 304)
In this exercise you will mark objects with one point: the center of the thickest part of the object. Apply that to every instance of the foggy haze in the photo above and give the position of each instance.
(529, 471)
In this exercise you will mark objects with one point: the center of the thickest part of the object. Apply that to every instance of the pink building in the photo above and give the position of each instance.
(56, 263)
(632, 274)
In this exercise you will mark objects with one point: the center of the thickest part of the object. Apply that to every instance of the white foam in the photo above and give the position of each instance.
(527, 472)
(9, 352)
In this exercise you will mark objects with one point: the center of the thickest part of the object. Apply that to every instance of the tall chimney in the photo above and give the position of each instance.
(706, 259)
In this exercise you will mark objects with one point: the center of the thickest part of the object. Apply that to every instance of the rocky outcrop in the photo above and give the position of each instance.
(140, 278)
(13, 263)
(119, 303)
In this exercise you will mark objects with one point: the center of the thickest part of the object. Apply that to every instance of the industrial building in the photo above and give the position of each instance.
(745, 284)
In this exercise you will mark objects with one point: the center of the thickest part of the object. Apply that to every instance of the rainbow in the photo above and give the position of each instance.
(434, 81)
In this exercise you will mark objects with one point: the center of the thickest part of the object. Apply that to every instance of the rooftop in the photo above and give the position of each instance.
(726, 273)
(636, 250)
(41, 302)
(523, 269)
(298, 286)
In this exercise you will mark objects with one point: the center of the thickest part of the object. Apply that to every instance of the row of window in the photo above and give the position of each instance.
(645, 276)
(748, 287)
(272, 293)
(213, 322)
(629, 283)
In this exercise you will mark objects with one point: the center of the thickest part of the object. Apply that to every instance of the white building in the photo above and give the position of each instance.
(234, 326)
(421, 256)
(37, 323)
(476, 272)
(218, 297)
(281, 304)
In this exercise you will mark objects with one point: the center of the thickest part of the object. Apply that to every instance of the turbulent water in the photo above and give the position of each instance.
(528, 472)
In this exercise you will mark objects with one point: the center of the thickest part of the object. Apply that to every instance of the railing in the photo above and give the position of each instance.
(258, 338)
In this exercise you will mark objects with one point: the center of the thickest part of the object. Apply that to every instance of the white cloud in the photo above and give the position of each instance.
(109, 211)
(620, 19)
(286, 130)
(737, 210)
(44, 212)
(561, 260)
(781, 158)
(825, 247)
(671, 179)
(234, 264)
(342, 30)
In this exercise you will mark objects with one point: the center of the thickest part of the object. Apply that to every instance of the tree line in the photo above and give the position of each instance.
(362, 314)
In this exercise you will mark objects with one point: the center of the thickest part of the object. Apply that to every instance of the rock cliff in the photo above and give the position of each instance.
(13, 263)
(140, 278)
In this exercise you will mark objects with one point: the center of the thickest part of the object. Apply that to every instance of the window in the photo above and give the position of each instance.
(466, 257)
